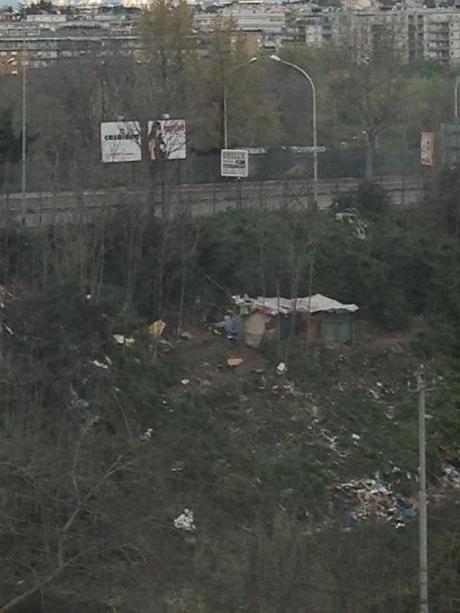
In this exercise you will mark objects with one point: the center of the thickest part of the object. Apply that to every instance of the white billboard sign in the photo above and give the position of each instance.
(426, 148)
(234, 163)
(167, 139)
(121, 141)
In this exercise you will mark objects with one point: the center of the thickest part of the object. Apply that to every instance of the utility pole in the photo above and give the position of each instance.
(24, 134)
(423, 548)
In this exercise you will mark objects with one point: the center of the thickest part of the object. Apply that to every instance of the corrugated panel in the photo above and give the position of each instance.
(336, 327)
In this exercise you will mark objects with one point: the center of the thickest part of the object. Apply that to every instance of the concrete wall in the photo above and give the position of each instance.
(202, 199)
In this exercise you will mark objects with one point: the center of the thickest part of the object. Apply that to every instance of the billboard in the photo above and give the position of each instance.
(121, 141)
(426, 148)
(166, 139)
(234, 163)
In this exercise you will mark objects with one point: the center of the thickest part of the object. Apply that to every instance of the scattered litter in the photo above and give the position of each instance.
(185, 521)
(148, 435)
(331, 439)
(374, 394)
(186, 336)
(185, 381)
(81, 403)
(373, 498)
(100, 364)
(157, 328)
(286, 389)
(390, 412)
(8, 329)
(177, 467)
(281, 368)
(351, 217)
(407, 513)
(165, 345)
(120, 339)
(5, 295)
(234, 362)
(356, 438)
(233, 327)
(108, 360)
(451, 476)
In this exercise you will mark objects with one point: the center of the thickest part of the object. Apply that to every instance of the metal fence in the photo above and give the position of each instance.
(275, 164)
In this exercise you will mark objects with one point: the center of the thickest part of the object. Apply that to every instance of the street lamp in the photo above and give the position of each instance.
(305, 74)
(250, 61)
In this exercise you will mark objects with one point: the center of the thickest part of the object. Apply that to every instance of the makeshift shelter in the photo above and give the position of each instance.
(255, 328)
(316, 317)
(327, 319)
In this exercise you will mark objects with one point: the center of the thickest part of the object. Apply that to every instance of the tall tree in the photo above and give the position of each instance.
(169, 45)
(369, 94)
(10, 143)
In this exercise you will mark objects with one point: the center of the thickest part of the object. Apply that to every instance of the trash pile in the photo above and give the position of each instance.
(185, 521)
(372, 498)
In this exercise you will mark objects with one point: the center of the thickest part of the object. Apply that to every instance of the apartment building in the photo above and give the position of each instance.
(430, 34)
(45, 39)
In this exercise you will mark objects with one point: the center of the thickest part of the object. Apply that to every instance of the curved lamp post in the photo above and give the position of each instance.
(305, 74)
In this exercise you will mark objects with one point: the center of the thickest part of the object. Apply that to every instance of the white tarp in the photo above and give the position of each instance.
(269, 306)
(121, 141)
(318, 303)
(314, 304)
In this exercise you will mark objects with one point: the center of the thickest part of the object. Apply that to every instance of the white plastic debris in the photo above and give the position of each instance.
(185, 521)
(120, 339)
(185, 381)
(100, 364)
(356, 438)
(374, 394)
(148, 435)
(281, 368)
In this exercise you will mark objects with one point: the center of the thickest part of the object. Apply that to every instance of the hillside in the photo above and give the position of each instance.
(144, 473)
